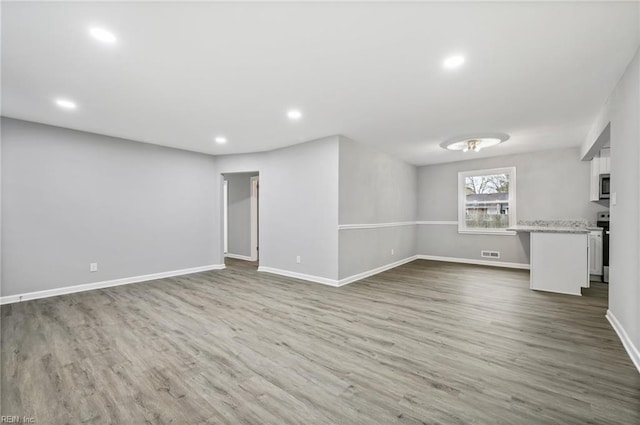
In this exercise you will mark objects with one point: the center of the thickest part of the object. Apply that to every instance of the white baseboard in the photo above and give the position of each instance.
(377, 270)
(302, 276)
(239, 257)
(105, 284)
(334, 282)
(632, 350)
(356, 277)
(547, 291)
(474, 261)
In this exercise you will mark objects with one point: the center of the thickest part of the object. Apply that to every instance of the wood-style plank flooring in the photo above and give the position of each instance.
(425, 343)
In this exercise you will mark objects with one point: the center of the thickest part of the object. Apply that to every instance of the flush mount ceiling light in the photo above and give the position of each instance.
(474, 143)
(453, 62)
(294, 114)
(66, 104)
(221, 140)
(103, 35)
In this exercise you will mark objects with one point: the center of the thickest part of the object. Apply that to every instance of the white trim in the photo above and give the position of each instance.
(255, 182)
(302, 276)
(488, 232)
(555, 291)
(225, 213)
(105, 284)
(375, 225)
(239, 257)
(474, 261)
(632, 350)
(334, 282)
(375, 271)
(393, 224)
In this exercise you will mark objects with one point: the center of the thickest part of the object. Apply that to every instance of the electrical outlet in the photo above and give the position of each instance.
(93, 267)
(298, 259)
(393, 251)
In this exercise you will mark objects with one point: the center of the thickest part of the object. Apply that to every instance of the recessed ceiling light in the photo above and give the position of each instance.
(294, 114)
(103, 35)
(66, 104)
(221, 140)
(474, 143)
(453, 62)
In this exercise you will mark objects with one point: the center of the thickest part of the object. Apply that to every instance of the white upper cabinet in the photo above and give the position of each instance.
(594, 194)
(605, 161)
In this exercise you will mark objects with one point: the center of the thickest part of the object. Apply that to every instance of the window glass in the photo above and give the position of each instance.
(486, 201)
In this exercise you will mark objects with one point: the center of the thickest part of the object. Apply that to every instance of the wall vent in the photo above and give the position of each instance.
(490, 254)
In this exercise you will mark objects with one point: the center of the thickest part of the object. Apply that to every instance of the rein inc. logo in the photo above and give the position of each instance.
(15, 419)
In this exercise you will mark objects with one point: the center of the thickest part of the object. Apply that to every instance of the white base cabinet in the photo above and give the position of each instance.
(559, 262)
(595, 252)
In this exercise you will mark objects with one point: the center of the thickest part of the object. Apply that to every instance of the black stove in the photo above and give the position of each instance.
(603, 221)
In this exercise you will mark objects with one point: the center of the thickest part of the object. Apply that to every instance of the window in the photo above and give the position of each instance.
(487, 201)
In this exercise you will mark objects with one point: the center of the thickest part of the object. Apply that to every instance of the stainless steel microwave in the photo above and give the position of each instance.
(605, 186)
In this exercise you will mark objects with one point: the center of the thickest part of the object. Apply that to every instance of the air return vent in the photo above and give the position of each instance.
(490, 254)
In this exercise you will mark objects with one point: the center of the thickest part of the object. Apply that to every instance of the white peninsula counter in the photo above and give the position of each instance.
(559, 255)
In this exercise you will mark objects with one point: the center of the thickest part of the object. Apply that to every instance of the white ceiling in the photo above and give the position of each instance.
(182, 73)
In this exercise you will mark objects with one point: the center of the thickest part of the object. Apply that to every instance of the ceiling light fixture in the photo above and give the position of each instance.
(66, 104)
(453, 62)
(103, 35)
(294, 114)
(221, 140)
(474, 143)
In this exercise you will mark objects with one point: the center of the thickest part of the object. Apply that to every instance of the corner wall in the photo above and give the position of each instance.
(624, 271)
(298, 207)
(377, 210)
(72, 198)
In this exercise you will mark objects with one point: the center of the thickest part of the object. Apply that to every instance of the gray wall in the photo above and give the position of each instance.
(1, 230)
(375, 188)
(239, 214)
(550, 185)
(298, 205)
(624, 286)
(71, 198)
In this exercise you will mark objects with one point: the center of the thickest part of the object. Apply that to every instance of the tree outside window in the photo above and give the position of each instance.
(486, 200)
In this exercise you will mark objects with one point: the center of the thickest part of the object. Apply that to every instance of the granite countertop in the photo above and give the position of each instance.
(554, 226)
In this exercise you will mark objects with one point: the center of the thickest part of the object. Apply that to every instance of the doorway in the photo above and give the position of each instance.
(241, 212)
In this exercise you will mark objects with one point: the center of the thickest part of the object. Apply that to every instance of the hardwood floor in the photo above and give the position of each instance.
(425, 343)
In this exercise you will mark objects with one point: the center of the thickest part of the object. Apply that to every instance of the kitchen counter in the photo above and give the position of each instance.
(554, 226)
(548, 229)
(559, 254)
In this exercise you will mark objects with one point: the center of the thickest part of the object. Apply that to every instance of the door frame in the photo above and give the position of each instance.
(255, 202)
(225, 216)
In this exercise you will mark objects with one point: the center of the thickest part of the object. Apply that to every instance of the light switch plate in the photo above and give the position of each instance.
(614, 198)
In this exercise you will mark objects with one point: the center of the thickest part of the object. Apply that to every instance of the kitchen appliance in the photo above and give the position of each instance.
(603, 221)
(605, 186)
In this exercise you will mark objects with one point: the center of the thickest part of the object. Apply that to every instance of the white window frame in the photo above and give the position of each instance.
(462, 226)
